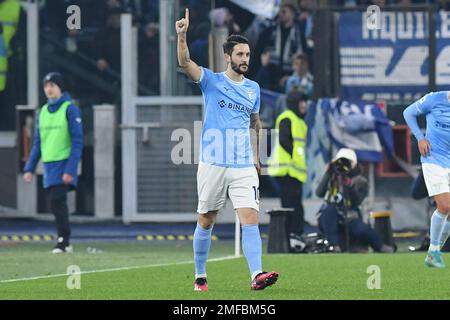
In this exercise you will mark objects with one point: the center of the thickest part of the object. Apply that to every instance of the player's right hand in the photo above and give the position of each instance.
(28, 177)
(424, 147)
(182, 25)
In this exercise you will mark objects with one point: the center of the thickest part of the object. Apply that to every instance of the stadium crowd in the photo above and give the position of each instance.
(282, 55)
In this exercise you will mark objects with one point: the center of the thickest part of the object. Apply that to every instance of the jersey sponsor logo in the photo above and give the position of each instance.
(234, 106)
(442, 125)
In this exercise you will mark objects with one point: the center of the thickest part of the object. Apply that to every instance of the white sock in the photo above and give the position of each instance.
(434, 247)
(437, 225)
(254, 274)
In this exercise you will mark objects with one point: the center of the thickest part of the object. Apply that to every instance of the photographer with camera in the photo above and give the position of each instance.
(344, 189)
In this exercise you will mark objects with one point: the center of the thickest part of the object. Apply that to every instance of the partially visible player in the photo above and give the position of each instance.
(434, 148)
(226, 160)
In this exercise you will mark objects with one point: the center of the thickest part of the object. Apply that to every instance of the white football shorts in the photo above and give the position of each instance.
(214, 182)
(437, 178)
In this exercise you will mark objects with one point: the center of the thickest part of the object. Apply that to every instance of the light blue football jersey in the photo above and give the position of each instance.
(228, 104)
(436, 107)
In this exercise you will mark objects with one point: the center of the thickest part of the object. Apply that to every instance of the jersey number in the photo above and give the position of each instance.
(256, 190)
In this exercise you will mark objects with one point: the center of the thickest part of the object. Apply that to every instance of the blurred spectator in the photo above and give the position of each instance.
(136, 8)
(222, 17)
(301, 79)
(258, 25)
(149, 56)
(132, 6)
(199, 47)
(265, 73)
(305, 18)
(249, 23)
(107, 51)
(108, 42)
(282, 40)
(9, 21)
(10, 16)
(150, 11)
(54, 17)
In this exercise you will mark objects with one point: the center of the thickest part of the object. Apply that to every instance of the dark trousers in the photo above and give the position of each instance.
(57, 201)
(331, 224)
(291, 197)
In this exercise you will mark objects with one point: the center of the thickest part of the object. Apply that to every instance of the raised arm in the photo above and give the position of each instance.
(184, 60)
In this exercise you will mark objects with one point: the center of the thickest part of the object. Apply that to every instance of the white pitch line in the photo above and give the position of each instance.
(114, 269)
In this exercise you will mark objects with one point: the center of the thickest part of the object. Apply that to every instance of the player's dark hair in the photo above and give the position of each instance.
(233, 40)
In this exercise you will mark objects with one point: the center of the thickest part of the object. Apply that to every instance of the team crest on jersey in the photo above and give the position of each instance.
(251, 95)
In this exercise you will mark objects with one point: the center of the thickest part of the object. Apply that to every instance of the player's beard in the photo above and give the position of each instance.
(237, 68)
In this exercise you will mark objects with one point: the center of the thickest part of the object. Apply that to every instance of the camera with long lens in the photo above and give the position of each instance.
(341, 166)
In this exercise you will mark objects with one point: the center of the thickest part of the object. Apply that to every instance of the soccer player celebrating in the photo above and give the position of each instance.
(434, 148)
(226, 160)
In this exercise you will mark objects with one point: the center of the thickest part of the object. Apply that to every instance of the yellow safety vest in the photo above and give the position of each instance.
(9, 18)
(56, 143)
(283, 163)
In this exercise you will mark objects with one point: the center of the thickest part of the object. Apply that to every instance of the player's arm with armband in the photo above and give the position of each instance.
(184, 60)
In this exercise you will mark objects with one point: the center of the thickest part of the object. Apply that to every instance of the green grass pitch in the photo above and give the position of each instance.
(164, 270)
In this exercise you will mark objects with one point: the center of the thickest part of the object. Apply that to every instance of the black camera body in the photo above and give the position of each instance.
(341, 166)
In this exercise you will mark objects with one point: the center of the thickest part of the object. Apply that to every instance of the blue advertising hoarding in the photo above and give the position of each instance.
(391, 63)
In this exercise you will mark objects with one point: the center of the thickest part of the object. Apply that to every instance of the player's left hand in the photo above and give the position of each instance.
(67, 179)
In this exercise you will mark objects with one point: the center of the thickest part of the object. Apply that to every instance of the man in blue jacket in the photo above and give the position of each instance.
(58, 142)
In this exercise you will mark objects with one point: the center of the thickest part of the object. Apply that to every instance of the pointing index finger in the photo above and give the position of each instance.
(186, 14)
